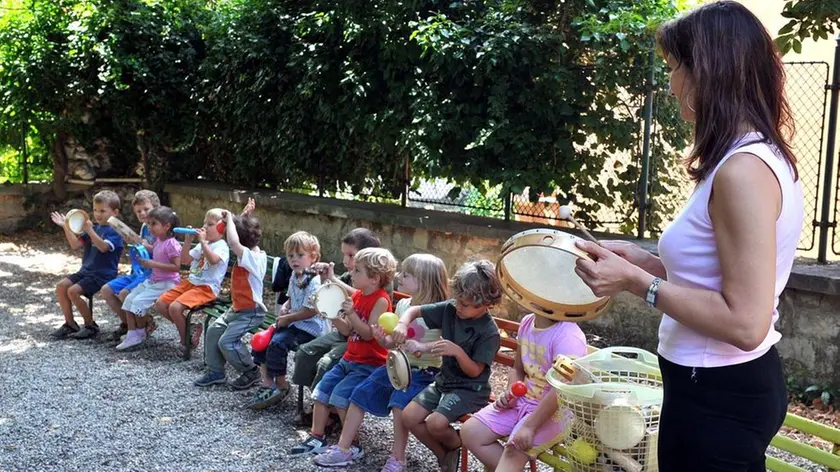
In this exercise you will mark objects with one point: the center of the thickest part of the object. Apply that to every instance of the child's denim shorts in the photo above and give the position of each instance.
(338, 384)
(377, 396)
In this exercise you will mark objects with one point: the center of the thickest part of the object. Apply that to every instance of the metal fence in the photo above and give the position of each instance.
(660, 196)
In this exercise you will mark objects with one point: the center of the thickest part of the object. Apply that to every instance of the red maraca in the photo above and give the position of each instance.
(221, 227)
(518, 389)
(259, 342)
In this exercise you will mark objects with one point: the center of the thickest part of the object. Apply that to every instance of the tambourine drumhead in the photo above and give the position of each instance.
(620, 426)
(399, 369)
(75, 220)
(328, 300)
(122, 229)
(537, 270)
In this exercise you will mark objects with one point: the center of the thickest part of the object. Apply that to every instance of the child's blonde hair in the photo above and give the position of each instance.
(215, 213)
(430, 273)
(378, 261)
(305, 242)
(477, 281)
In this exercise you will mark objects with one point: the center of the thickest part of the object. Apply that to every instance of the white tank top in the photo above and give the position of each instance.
(689, 253)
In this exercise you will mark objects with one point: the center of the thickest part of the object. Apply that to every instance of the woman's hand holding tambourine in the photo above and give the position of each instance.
(609, 274)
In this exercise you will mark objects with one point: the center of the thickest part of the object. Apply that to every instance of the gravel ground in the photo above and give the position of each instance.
(81, 405)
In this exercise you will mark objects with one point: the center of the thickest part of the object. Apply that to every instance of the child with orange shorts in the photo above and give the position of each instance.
(208, 264)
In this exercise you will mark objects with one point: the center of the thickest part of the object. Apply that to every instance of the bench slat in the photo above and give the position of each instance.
(778, 466)
(808, 452)
(813, 428)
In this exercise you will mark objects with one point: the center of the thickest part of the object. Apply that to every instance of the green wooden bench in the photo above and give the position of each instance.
(218, 307)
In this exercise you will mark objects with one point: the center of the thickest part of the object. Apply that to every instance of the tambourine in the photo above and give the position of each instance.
(328, 300)
(537, 270)
(139, 252)
(399, 369)
(75, 220)
(122, 229)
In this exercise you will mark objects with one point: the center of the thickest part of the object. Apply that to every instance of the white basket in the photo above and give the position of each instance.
(613, 407)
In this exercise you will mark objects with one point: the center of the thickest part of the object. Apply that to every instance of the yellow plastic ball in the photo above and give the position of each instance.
(388, 321)
(583, 452)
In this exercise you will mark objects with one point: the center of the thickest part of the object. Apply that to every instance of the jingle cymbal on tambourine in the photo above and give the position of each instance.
(537, 270)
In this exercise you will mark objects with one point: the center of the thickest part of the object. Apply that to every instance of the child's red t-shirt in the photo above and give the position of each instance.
(368, 352)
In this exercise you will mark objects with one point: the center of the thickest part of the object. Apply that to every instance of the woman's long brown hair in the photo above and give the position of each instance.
(739, 79)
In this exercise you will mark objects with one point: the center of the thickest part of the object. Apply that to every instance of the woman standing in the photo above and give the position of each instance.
(727, 256)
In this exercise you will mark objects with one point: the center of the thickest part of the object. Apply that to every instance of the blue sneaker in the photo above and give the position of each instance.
(210, 378)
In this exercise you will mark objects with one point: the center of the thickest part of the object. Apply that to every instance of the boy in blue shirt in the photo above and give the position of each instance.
(102, 249)
(115, 291)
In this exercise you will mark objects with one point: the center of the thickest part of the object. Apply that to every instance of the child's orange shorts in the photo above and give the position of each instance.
(188, 294)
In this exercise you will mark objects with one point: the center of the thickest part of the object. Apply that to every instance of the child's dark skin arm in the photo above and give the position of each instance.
(445, 347)
(286, 320)
(343, 326)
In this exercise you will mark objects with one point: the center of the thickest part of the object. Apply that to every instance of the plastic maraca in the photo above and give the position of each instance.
(259, 342)
(221, 227)
(388, 321)
(518, 389)
(415, 331)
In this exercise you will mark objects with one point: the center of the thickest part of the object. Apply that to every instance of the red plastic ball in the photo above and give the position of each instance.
(519, 389)
(260, 341)
(221, 227)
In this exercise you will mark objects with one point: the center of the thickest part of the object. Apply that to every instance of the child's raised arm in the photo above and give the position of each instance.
(72, 239)
(231, 234)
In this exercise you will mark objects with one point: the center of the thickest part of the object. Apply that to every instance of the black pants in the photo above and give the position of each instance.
(720, 419)
(276, 354)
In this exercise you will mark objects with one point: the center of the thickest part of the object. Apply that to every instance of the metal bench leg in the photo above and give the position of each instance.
(188, 336)
(300, 401)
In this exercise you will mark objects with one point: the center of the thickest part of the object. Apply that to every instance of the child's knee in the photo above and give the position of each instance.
(106, 291)
(75, 292)
(470, 431)
(62, 286)
(438, 424)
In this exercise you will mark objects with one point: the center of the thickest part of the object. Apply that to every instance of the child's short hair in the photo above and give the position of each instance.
(215, 213)
(378, 261)
(143, 196)
(248, 229)
(109, 198)
(477, 281)
(361, 238)
(430, 273)
(305, 242)
(165, 215)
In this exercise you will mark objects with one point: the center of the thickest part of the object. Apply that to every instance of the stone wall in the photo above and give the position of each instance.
(809, 309)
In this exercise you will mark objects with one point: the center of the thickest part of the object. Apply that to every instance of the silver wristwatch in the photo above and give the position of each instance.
(653, 291)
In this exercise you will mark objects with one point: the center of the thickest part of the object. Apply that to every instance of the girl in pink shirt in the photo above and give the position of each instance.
(166, 253)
